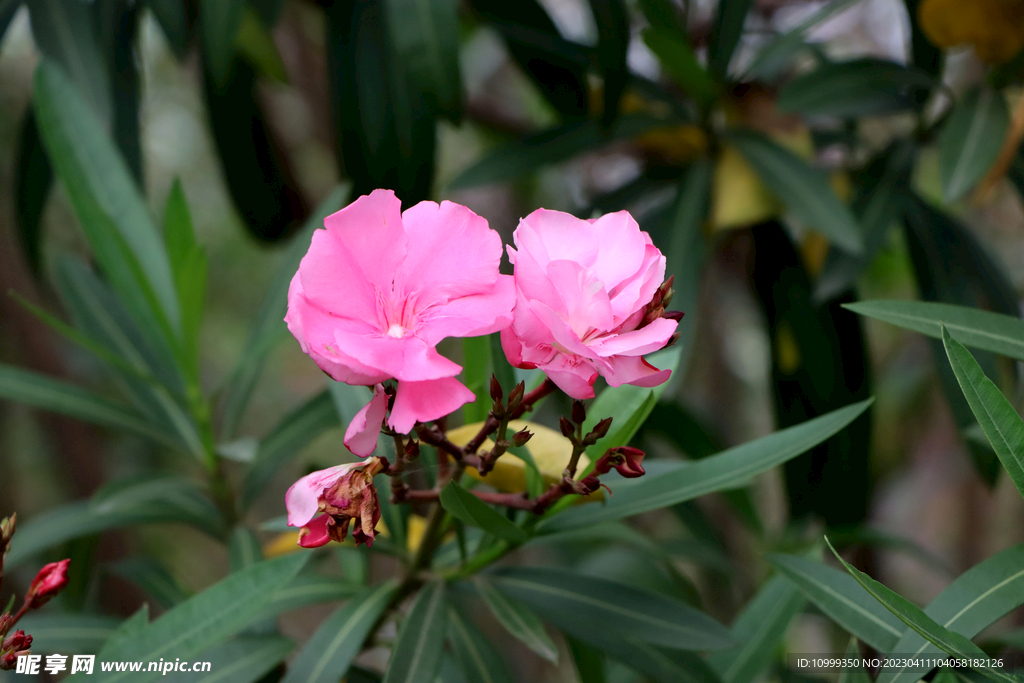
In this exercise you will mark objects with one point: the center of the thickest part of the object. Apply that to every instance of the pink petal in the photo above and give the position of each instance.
(573, 375)
(621, 248)
(512, 347)
(471, 316)
(636, 292)
(425, 401)
(407, 358)
(314, 329)
(452, 253)
(585, 300)
(636, 371)
(361, 435)
(563, 334)
(314, 534)
(303, 498)
(554, 235)
(638, 342)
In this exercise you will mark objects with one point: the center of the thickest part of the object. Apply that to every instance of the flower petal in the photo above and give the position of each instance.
(361, 435)
(621, 247)
(315, 534)
(405, 358)
(573, 375)
(303, 498)
(637, 342)
(634, 370)
(425, 401)
(471, 316)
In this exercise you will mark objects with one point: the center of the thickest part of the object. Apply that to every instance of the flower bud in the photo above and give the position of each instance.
(579, 413)
(599, 431)
(6, 622)
(50, 580)
(625, 460)
(673, 315)
(520, 438)
(7, 528)
(496, 393)
(18, 640)
(515, 397)
(412, 450)
(666, 290)
(567, 427)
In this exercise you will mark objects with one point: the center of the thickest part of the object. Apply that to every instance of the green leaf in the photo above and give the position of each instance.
(254, 42)
(173, 19)
(425, 35)
(804, 190)
(518, 620)
(657, 664)
(673, 50)
(309, 589)
(526, 156)
(205, 619)
(587, 607)
(189, 268)
(69, 634)
(910, 614)
(59, 397)
(123, 235)
(842, 600)
(995, 332)
(476, 656)
(777, 54)
(589, 662)
(153, 578)
(759, 629)
(856, 673)
(294, 432)
(686, 252)
(220, 21)
(243, 660)
(997, 417)
(732, 14)
(476, 359)
(65, 32)
(32, 185)
(970, 140)
(244, 549)
(145, 500)
(862, 87)
(730, 469)
(268, 326)
(465, 506)
(326, 657)
(417, 652)
(613, 35)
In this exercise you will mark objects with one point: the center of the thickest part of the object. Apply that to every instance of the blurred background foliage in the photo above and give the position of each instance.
(788, 156)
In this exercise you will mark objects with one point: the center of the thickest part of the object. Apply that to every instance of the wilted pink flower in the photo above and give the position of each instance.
(379, 289)
(342, 493)
(589, 301)
(50, 580)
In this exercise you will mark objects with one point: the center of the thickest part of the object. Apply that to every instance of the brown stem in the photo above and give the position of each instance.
(492, 423)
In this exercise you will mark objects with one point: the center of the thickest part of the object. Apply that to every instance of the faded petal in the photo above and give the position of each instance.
(362, 431)
(315, 533)
(425, 401)
(303, 498)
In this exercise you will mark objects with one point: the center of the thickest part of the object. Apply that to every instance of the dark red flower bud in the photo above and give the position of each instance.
(598, 432)
(412, 449)
(673, 315)
(567, 427)
(579, 413)
(626, 460)
(521, 437)
(19, 640)
(496, 393)
(50, 580)
(515, 397)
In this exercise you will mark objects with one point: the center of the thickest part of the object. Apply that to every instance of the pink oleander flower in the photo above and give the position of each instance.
(324, 502)
(589, 301)
(380, 288)
(50, 580)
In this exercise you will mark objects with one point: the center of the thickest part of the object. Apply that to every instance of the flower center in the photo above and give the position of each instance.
(396, 331)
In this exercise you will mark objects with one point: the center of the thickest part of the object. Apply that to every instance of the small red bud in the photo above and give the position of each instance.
(50, 580)
(520, 438)
(579, 413)
(599, 431)
(515, 396)
(567, 427)
(496, 393)
(673, 315)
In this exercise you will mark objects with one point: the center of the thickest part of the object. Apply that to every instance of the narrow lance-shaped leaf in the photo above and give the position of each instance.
(417, 652)
(220, 21)
(203, 620)
(970, 140)
(910, 614)
(997, 417)
(759, 628)
(243, 660)
(476, 656)
(425, 37)
(326, 657)
(729, 469)
(465, 506)
(732, 15)
(518, 620)
(995, 332)
(842, 599)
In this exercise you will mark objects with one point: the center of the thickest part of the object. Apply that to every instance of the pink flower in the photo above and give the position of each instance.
(625, 459)
(343, 493)
(379, 289)
(589, 301)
